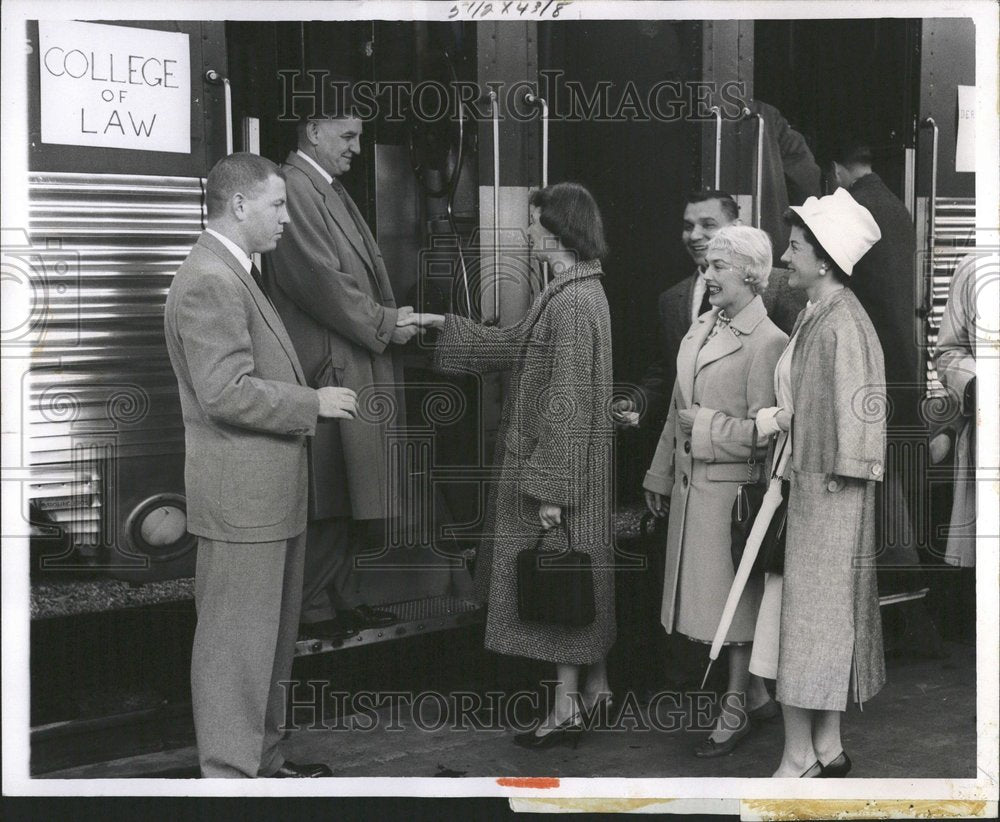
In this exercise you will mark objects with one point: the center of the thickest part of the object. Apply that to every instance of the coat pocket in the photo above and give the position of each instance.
(255, 491)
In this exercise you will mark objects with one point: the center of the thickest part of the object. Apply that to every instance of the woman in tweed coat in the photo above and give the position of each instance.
(830, 637)
(554, 449)
(725, 374)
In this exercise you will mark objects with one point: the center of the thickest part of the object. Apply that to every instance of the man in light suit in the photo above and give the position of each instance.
(247, 414)
(329, 284)
(681, 304)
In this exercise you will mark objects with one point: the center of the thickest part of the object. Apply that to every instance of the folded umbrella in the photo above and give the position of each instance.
(770, 503)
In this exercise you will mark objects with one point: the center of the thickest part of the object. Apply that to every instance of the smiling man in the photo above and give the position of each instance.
(680, 305)
(329, 284)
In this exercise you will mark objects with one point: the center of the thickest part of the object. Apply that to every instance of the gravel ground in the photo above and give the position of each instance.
(71, 597)
(68, 597)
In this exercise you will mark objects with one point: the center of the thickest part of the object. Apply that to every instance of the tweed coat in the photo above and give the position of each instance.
(726, 380)
(956, 367)
(783, 305)
(554, 446)
(831, 630)
(328, 282)
(246, 408)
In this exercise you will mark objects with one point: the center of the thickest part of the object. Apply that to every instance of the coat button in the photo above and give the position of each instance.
(877, 469)
(833, 486)
(684, 481)
(687, 446)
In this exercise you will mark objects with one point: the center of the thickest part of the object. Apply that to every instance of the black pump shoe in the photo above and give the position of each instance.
(808, 773)
(565, 733)
(839, 767)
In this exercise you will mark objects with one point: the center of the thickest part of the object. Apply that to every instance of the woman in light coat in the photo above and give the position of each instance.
(956, 367)
(553, 450)
(725, 373)
(832, 374)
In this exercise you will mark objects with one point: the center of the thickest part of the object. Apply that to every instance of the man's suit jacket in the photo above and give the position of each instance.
(330, 286)
(884, 281)
(246, 409)
(783, 305)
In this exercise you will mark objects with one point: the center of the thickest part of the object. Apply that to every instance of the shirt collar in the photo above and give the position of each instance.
(749, 317)
(235, 250)
(315, 165)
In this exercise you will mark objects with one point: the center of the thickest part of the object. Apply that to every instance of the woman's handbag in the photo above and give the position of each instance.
(749, 496)
(555, 587)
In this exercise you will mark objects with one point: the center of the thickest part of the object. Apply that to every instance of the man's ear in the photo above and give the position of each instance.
(237, 206)
(311, 132)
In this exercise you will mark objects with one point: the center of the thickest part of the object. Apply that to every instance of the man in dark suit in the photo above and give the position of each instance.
(329, 284)
(681, 304)
(885, 282)
(247, 413)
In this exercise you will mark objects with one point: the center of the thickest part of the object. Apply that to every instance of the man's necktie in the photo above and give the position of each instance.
(255, 273)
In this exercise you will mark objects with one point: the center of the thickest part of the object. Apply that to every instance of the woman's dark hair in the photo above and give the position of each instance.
(568, 210)
(791, 218)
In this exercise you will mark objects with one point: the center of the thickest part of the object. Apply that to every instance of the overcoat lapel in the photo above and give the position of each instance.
(687, 355)
(263, 304)
(803, 328)
(338, 209)
(721, 345)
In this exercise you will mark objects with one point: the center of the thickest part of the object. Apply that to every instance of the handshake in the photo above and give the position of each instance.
(408, 324)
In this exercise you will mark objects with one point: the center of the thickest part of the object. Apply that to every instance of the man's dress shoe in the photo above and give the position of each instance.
(327, 629)
(364, 616)
(292, 771)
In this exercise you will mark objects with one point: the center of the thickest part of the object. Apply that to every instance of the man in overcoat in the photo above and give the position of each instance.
(884, 282)
(247, 414)
(330, 286)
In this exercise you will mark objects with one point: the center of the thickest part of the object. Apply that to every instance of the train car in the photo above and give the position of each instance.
(468, 115)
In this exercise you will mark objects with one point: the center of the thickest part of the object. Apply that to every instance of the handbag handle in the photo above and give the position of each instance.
(569, 537)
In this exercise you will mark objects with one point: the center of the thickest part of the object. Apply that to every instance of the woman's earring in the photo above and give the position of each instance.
(822, 271)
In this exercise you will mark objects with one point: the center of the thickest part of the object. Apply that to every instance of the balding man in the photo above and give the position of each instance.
(333, 293)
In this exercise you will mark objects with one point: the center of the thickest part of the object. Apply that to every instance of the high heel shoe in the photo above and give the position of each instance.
(838, 767)
(599, 709)
(808, 773)
(709, 748)
(565, 733)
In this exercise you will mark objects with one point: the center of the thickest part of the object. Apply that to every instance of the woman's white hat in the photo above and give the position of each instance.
(844, 227)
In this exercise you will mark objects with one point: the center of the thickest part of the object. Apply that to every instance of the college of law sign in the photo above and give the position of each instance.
(114, 87)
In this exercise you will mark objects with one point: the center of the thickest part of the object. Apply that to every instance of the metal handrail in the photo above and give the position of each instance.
(535, 100)
(758, 205)
(929, 122)
(495, 106)
(213, 77)
(718, 146)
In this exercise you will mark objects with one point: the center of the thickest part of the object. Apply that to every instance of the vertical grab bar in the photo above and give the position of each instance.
(495, 106)
(757, 205)
(929, 122)
(718, 146)
(535, 100)
(216, 79)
